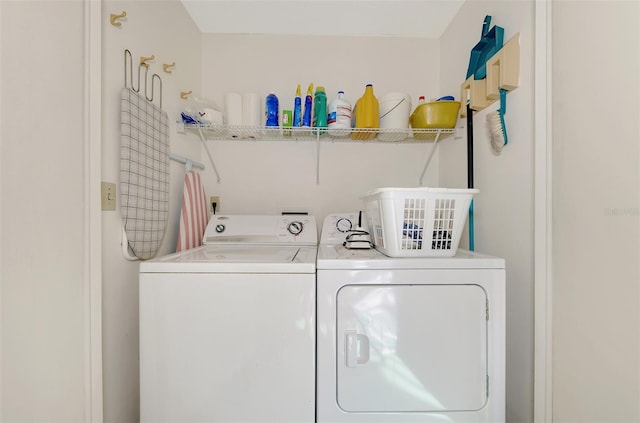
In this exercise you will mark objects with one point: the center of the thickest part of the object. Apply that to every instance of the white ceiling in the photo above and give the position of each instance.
(395, 18)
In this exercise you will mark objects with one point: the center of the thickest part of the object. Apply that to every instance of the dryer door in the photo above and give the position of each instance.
(411, 348)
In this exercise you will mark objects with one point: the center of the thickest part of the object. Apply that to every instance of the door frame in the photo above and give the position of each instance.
(93, 401)
(543, 216)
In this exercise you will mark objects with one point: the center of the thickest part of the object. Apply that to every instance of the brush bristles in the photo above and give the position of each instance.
(495, 131)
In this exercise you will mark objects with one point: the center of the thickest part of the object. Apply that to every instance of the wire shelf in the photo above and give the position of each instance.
(209, 132)
(252, 133)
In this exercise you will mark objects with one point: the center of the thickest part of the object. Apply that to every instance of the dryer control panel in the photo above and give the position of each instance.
(336, 227)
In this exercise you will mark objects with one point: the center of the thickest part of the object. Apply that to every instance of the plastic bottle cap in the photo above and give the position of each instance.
(340, 92)
(320, 88)
(369, 85)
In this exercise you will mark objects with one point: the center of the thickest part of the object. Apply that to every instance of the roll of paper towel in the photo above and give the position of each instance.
(251, 109)
(233, 111)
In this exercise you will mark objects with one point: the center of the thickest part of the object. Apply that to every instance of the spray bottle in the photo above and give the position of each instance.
(308, 104)
(297, 108)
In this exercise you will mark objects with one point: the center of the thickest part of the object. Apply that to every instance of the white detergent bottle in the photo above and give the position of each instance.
(339, 116)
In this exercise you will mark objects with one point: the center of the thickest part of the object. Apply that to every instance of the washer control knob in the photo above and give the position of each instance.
(295, 228)
(220, 228)
(344, 225)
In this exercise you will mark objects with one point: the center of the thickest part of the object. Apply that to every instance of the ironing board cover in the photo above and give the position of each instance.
(144, 173)
(194, 214)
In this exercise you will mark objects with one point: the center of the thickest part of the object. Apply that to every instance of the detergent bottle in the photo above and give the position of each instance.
(320, 111)
(339, 116)
(271, 110)
(297, 109)
(308, 104)
(366, 115)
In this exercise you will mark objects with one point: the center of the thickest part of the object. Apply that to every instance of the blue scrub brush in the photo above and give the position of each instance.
(497, 127)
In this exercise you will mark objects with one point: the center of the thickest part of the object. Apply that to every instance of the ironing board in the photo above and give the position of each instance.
(144, 173)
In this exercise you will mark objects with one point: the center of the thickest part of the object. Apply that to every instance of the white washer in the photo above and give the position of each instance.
(408, 339)
(227, 330)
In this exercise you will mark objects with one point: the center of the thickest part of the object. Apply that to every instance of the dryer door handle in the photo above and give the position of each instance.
(356, 348)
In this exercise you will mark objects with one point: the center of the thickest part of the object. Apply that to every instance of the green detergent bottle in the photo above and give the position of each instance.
(320, 111)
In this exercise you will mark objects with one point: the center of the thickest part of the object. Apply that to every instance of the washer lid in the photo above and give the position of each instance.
(235, 259)
(335, 256)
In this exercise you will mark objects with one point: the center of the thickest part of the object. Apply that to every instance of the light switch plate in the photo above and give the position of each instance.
(108, 196)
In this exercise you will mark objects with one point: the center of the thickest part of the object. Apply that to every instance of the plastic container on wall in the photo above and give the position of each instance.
(319, 111)
(339, 116)
(366, 115)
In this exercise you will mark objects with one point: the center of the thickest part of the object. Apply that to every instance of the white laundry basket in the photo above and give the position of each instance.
(417, 222)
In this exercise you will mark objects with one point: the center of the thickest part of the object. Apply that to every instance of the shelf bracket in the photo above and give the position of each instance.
(433, 150)
(318, 159)
(204, 143)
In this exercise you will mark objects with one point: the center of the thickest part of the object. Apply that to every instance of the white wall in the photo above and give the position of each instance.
(267, 177)
(596, 232)
(504, 207)
(42, 212)
(164, 29)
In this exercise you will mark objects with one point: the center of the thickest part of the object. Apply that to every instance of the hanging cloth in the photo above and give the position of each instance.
(194, 214)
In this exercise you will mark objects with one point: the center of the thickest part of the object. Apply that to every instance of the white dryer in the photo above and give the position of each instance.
(408, 339)
(227, 330)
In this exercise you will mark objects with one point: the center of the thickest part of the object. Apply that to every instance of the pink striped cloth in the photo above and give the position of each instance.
(194, 215)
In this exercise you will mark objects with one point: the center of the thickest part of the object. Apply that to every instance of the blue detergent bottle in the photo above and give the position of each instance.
(271, 110)
(297, 109)
(308, 104)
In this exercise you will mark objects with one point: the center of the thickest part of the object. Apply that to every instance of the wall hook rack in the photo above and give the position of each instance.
(168, 67)
(115, 18)
(185, 94)
(502, 72)
(144, 60)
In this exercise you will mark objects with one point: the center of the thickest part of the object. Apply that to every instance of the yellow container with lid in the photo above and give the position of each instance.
(366, 115)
